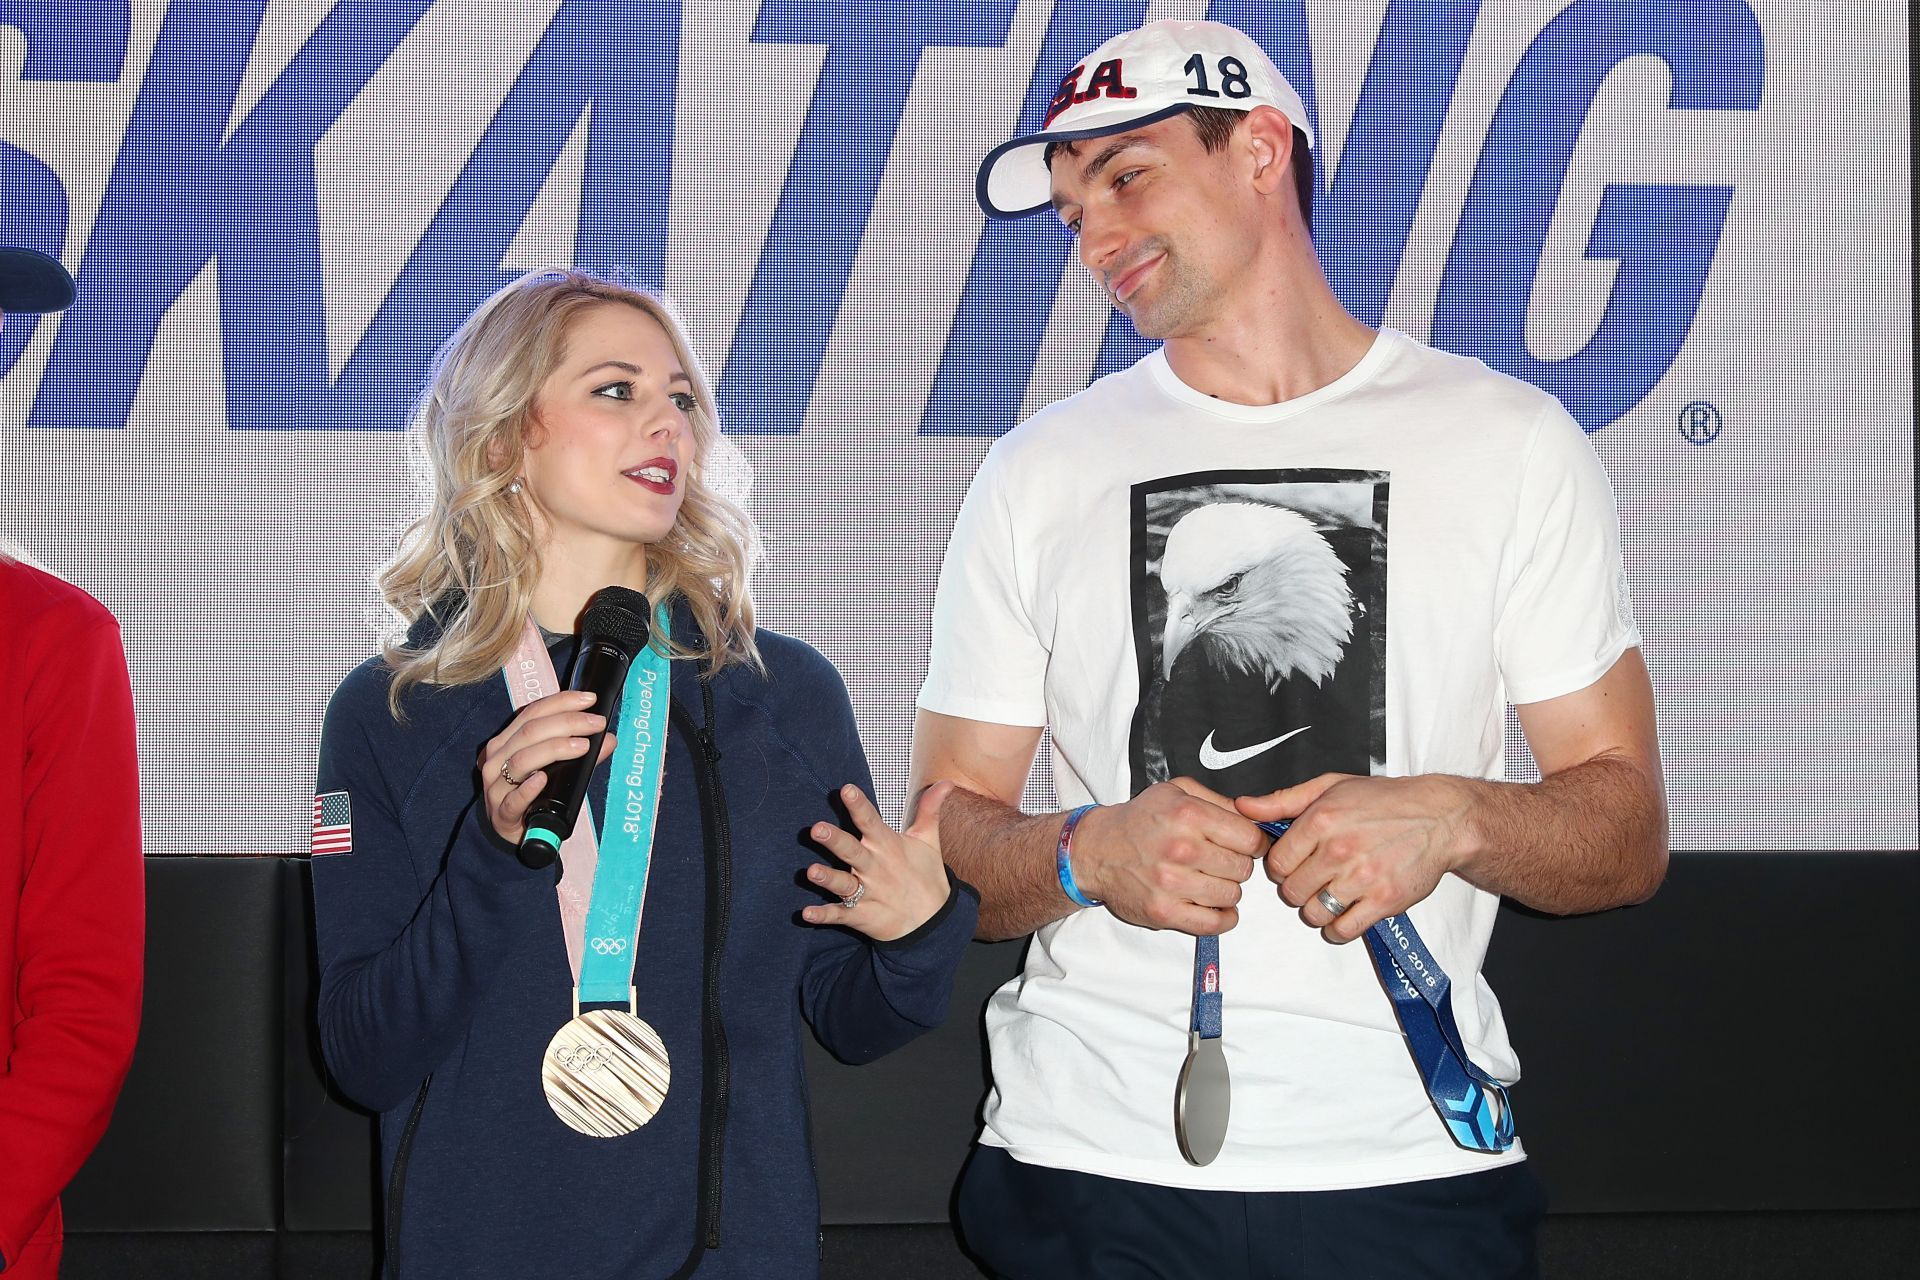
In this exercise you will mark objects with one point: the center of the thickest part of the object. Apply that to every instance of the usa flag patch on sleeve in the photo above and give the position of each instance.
(332, 823)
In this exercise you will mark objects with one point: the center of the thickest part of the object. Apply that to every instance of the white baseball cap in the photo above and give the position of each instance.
(1137, 78)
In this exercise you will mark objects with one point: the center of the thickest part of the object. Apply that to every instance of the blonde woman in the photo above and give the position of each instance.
(600, 1075)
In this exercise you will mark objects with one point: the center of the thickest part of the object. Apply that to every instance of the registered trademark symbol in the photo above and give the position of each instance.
(1700, 423)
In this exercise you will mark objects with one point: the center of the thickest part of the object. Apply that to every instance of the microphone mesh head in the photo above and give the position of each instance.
(618, 616)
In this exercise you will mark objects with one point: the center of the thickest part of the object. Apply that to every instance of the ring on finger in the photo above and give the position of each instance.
(507, 773)
(1333, 905)
(859, 892)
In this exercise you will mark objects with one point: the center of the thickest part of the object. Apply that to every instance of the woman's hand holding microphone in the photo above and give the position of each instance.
(513, 763)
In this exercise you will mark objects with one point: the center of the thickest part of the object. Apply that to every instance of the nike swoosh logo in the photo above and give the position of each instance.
(1211, 759)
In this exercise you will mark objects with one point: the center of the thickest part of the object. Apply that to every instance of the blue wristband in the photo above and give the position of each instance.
(1063, 858)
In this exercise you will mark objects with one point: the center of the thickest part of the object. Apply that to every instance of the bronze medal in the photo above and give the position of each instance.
(605, 1073)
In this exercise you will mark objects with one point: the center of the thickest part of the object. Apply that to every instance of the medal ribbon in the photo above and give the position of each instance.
(1205, 1019)
(603, 889)
(1472, 1103)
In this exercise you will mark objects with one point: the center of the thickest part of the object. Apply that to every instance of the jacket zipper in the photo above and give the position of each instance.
(717, 840)
(397, 1183)
(719, 908)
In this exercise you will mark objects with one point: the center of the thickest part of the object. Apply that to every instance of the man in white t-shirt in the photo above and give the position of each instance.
(1285, 567)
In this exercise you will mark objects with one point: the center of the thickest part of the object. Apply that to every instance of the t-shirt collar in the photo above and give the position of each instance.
(1384, 344)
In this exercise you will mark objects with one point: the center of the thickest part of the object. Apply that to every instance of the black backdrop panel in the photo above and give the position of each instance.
(1745, 1040)
(1736, 1044)
(889, 1136)
(195, 1140)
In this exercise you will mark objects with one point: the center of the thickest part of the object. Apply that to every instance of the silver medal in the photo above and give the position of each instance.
(1202, 1100)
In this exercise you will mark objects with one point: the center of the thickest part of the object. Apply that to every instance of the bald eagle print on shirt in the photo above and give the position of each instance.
(1259, 617)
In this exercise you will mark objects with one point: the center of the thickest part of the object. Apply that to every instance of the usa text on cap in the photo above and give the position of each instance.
(1135, 79)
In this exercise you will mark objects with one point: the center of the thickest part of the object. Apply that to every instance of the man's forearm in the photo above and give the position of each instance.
(1586, 838)
(1008, 856)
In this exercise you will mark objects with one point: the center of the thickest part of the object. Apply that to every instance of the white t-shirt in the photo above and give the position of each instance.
(1356, 580)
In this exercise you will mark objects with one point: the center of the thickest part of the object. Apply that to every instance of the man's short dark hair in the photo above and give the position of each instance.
(1215, 125)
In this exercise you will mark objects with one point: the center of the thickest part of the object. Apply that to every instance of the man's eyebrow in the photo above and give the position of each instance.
(1106, 154)
(1104, 157)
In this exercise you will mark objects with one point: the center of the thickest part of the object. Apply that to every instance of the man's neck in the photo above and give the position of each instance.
(1283, 336)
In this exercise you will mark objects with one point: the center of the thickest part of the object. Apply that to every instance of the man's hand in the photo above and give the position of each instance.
(1378, 845)
(1173, 857)
(1591, 834)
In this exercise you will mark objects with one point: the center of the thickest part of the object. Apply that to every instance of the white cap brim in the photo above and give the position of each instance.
(1014, 179)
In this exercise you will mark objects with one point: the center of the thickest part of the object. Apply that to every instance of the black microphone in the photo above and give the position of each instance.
(613, 630)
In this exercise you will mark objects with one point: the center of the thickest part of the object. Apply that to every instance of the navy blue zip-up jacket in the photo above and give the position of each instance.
(443, 975)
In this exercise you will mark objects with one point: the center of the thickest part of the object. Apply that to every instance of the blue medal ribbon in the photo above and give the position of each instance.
(1205, 1019)
(626, 827)
(1472, 1103)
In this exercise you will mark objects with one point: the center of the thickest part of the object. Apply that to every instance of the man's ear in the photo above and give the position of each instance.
(1268, 136)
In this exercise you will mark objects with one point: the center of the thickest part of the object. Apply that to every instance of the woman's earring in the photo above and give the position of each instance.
(514, 487)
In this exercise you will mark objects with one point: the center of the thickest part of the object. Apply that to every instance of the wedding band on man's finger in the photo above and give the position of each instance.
(1333, 905)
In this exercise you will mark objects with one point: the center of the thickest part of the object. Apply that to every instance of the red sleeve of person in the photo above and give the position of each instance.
(72, 918)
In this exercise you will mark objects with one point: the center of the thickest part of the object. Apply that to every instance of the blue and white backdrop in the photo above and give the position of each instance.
(1690, 219)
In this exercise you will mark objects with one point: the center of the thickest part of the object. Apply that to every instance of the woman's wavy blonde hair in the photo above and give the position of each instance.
(471, 560)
